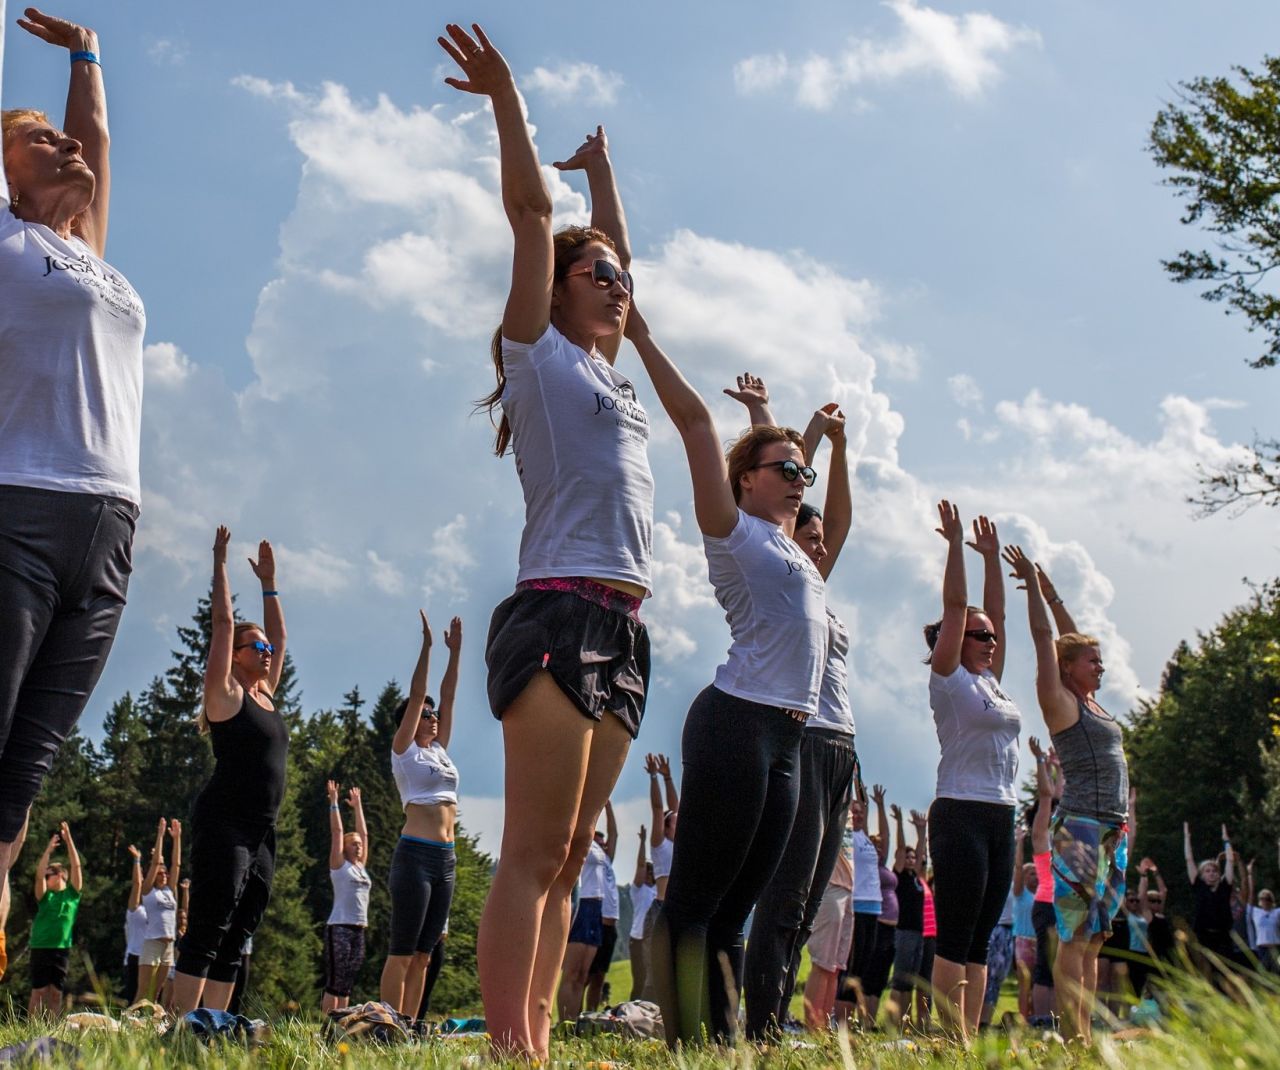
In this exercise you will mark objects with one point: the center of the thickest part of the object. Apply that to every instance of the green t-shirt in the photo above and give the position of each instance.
(55, 917)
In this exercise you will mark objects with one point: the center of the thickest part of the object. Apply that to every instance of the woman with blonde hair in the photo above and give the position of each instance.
(233, 820)
(567, 654)
(71, 330)
(160, 902)
(1090, 830)
(344, 932)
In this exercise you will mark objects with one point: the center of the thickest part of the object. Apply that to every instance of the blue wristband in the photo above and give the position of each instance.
(270, 594)
(88, 57)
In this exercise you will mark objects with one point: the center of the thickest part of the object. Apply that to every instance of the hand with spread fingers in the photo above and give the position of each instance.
(485, 71)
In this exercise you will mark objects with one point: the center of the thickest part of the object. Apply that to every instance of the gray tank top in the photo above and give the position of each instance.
(1094, 768)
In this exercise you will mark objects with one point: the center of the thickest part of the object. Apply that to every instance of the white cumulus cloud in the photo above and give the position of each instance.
(583, 83)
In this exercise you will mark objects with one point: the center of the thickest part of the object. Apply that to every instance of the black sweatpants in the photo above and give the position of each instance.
(232, 870)
(972, 846)
(739, 791)
(784, 915)
(65, 561)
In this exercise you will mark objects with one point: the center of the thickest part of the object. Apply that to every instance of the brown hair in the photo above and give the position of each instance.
(744, 454)
(240, 628)
(1072, 645)
(931, 631)
(565, 245)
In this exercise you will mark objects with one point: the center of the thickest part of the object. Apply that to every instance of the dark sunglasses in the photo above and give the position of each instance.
(259, 646)
(982, 635)
(792, 471)
(604, 275)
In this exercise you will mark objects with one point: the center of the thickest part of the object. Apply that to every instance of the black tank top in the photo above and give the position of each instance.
(249, 753)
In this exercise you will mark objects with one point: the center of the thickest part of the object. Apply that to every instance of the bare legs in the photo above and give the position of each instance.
(819, 998)
(560, 769)
(573, 980)
(958, 989)
(189, 991)
(1075, 978)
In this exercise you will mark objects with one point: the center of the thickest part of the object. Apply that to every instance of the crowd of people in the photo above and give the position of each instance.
(769, 820)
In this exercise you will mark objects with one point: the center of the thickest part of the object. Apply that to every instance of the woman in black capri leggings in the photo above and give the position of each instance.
(234, 817)
(971, 820)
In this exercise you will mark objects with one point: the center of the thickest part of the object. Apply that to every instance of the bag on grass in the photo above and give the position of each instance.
(369, 1021)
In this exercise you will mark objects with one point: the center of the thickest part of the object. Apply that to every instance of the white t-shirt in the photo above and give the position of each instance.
(642, 898)
(351, 886)
(842, 875)
(611, 908)
(661, 856)
(1266, 926)
(162, 913)
(425, 775)
(978, 726)
(581, 442)
(71, 330)
(593, 874)
(866, 868)
(776, 605)
(834, 709)
(135, 930)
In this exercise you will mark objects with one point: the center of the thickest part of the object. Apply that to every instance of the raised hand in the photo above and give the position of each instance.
(1047, 588)
(265, 567)
(643, 833)
(751, 390)
(220, 541)
(1226, 837)
(1146, 866)
(175, 828)
(1037, 751)
(1023, 567)
(831, 419)
(1019, 833)
(185, 883)
(985, 539)
(58, 31)
(453, 635)
(878, 793)
(353, 798)
(133, 850)
(331, 790)
(486, 71)
(918, 819)
(594, 150)
(949, 526)
(664, 766)
(895, 811)
(65, 830)
(650, 764)
(54, 840)
(161, 825)
(426, 628)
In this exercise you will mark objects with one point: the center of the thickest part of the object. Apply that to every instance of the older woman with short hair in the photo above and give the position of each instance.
(71, 331)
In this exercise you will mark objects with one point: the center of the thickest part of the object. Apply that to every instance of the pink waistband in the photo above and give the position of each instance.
(600, 594)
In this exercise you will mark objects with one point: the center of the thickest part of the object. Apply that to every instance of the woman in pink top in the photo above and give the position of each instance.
(1049, 789)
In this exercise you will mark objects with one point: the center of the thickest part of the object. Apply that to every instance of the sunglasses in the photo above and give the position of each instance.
(792, 471)
(604, 275)
(259, 646)
(982, 635)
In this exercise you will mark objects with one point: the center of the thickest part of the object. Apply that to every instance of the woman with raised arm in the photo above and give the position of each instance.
(1090, 829)
(568, 657)
(909, 865)
(1264, 916)
(971, 819)
(161, 903)
(1044, 920)
(135, 926)
(71, 330)
(737, 803)
(423, 864)
(643, 893)
(784, 916)
(57, 891)
(344, 932)
(1212, 922)
(233, 821)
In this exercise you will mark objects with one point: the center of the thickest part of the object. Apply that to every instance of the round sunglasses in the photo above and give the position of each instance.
(604, 274)
(791, 471)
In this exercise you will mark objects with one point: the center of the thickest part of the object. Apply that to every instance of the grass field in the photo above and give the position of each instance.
(1201, 1030)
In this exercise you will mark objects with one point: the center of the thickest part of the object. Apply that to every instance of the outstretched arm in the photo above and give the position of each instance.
(611, 830)
(272, 610)
(900, 844)
(524, 193)
(955, 593)
(882, 822)
(42, 864)
(606, 211)
(837, 510)
(1193, 870)
(668, 782)
(713, 501)
(921, 822)
(135, 877)
(175, 848)
(1044, 792)
(86, 117)
(73, 858)
(1056, 703)
(335, 825)
(417, 693)
(1065, 622)
(357, 816)
(222, 694)
(157, 858)
(1019, 856)
(641, 868)
(753, 394)
(449, 685)
(1229, 867)
(986, 541)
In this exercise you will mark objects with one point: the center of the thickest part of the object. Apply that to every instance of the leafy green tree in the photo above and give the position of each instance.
(1220, 143)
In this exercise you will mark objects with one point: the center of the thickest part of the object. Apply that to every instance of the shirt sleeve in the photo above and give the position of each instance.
(533, 353)
(4, 184)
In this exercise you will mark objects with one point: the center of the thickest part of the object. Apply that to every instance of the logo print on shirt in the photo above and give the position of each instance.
(631, 418)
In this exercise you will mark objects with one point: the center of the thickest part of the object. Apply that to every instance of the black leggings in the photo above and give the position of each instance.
(421, 885)
(972, 845)
(232, 871)
(65, 561)
(433, 975)
(1045, 922)
(343, 957)
(738, 799)
(783, 920)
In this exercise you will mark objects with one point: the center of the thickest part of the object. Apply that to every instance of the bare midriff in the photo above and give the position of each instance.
(660, 883)
(434, 822)
(633, 589)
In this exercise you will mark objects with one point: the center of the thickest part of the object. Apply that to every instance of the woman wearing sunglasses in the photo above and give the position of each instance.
(423, 863)
(568, 657)
(971, 819)
(741, 741)
(1090, 831)
(784, 916)
(233, 820)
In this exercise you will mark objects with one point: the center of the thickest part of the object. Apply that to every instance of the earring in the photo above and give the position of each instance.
(14, 199)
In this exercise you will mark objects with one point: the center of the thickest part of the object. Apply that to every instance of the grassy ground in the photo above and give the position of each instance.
(1201, 1030)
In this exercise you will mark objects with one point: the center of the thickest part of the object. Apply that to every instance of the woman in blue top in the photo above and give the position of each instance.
(741, 741)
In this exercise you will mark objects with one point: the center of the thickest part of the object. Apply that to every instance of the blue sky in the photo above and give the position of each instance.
(941, 216)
